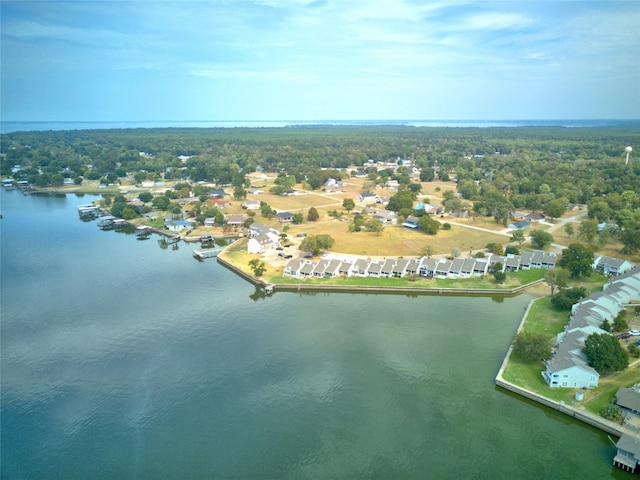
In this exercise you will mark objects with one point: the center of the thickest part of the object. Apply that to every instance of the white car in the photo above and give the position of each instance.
(634, 332)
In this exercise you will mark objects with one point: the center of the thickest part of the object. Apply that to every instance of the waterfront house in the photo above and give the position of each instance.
(236, 220)
(210, 222)
(374, 269)
(568, 367)
(360, 267)
(262, 243)
(332, 269)
(442, 268)
(387, 268)
(293, 268)
(628, 454)
(400, 268)
(307, 270)
(177, 225)
(346, 268)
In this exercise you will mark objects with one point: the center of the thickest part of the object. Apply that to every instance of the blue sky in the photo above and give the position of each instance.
(319, 60)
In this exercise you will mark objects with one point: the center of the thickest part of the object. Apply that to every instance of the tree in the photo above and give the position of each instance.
(402, 199)
(566, 298)
(313, 214)
(428, 225)
(630, 238)
(518, 236)
(556, 277)
(541, 239)
(239, 192)
(568, 228)
(160, 202)
(145, 197)
(257, 266)
(298, 218)
(555, 208)
(577, 259)
(374, 225)
(348, 204)
(532, 347)
(499, 276)
(620, 323)
(588, 230)
(605, 354)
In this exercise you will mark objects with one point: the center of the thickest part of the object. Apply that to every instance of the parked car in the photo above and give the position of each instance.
(288, 245)
(634, 333)
(623, 335)
(301, 234)
(285, 255)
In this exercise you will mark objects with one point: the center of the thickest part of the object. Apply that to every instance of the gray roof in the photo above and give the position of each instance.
(629, 399)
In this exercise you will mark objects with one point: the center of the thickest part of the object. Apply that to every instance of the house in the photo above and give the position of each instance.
(628, 454)
(534, 217)
(411, 222)
(360, 267)
(210, 222)
(262, 243)
(387, 268)
(256, 229)
(610, 265)
(177, 225)
(293, 268)
(386, 216)
(251, 204)
(284, 217)
(442, 268)
(568, 368)
(628, 400)
(519, 225)
(392, 185)
(400, 268)
(369, 197)
(216, 193)
(236, 220)
(332, 269)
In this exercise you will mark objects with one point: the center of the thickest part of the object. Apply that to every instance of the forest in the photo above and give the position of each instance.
(497, 169)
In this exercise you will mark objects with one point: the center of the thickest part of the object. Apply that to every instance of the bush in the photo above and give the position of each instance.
(532, 347)
(565, 298)
(611, 412)
(512, 250)
(446, 226)
(634, 350)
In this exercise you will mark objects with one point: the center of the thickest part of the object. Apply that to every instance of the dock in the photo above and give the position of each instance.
(210, 253)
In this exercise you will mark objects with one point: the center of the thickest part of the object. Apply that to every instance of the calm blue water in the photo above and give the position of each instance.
(121, 359)
(8, 127)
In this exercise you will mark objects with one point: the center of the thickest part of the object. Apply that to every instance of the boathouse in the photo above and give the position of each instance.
(628, 455)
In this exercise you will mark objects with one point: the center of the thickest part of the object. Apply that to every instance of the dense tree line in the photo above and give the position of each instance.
(499, 170)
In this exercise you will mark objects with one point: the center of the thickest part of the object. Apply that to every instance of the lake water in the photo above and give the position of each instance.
(121, 359)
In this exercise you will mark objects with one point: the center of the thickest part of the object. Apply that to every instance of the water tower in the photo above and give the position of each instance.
(628, 150)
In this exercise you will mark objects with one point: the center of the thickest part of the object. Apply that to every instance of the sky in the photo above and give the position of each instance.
(266, 60)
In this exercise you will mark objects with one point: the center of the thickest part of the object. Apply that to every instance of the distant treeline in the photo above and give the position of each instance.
(496, 168)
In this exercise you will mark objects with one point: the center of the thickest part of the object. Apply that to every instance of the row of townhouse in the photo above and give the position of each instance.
(568, 365)
(424, 267)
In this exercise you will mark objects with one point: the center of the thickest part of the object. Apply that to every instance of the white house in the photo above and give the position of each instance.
(568, 367)
(251, 204)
